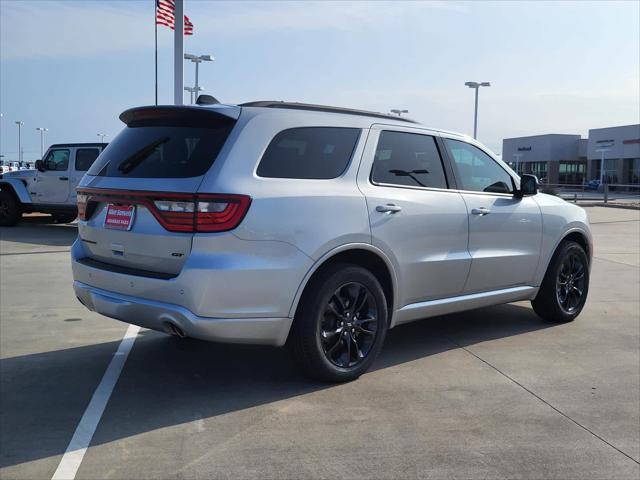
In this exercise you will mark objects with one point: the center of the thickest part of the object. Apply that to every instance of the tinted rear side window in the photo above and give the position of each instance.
(408, 159)
(157, 151)
(309, 153)
(85, 158)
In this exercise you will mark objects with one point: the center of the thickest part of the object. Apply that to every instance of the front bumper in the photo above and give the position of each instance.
(159, 316)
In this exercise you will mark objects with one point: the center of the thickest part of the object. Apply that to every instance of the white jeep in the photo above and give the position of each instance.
(51, 187)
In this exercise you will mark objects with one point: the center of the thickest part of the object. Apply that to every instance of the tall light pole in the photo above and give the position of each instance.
(477, 86)
(19, 123)
(398, 111)
(602, 151)
(197, 59)
(102, 136)
(193, 90)
(42, 130)
(517, 156)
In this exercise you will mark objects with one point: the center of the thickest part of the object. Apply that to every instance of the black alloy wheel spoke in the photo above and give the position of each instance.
(335, 346)
(359, 325)
(347, 339)
(359, 353)
(360, 300)
(341, 306)
(333, 310)
(329, 334)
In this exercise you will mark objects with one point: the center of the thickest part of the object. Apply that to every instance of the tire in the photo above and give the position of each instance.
(64, 217)
(10, 209)
(568, 271)
(340, 325)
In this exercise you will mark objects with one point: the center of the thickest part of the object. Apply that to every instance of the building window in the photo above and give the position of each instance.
(610, 170)
(539, 169)
(571, 173)
(634, 171)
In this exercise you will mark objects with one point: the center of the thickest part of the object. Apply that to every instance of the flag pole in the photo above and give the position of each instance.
(178, 53)
(155, 24)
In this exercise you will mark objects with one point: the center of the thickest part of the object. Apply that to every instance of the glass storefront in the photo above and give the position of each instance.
(610, 170)
(572, 172)
(634, 170)
(539, 169)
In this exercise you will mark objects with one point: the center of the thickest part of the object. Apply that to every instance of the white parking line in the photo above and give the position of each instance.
(78, 445)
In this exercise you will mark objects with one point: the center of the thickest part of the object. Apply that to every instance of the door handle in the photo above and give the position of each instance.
(63, 178)
(388, 208)
(481, 211)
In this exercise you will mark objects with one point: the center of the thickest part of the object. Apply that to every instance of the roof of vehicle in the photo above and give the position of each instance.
(96, 144)
(233, 111)
(341, 110)
(323, 108)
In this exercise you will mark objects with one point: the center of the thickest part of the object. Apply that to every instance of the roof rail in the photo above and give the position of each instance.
(322, 108)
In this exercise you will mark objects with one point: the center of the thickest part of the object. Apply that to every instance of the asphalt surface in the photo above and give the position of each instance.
(490, 393)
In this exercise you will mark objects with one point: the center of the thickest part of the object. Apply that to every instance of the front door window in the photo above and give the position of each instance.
(57, 161)
(477, 171)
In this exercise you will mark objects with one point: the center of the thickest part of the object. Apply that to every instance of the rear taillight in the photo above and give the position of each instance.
(218, 213)
(176, 212)
(82, 206)
(174, 215)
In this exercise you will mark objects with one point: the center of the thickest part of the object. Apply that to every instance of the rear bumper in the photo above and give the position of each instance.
(159, 316)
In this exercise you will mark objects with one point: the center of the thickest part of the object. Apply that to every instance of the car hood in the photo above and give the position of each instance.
(20, 174)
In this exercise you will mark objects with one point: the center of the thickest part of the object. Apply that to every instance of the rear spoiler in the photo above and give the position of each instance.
(179, 115)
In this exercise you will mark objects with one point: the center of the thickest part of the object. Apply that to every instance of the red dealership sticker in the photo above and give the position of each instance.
(119, 217)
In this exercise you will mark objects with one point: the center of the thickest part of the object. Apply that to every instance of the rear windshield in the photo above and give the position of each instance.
(162, 151)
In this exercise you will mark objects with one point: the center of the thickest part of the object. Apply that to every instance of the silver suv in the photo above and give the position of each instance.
(317, 227)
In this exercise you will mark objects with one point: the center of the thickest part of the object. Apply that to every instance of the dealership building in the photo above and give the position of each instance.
(570, 159)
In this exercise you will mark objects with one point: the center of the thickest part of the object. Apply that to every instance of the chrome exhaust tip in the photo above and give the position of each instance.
(176, 330)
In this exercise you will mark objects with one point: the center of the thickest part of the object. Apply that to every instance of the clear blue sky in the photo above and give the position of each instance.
(73, 66)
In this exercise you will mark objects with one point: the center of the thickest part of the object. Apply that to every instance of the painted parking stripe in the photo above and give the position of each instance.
(78, 445)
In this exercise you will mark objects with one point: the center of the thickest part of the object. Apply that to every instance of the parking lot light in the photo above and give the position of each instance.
(42, 130)
(602, 151)
(192, 91)
(477, 86)
(398, 112)
(20, 124)
(517, 156)
(102, 136)
(197, 59)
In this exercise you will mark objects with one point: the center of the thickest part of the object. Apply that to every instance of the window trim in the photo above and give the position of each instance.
(344, 172)
(443, 162)
(451, 161)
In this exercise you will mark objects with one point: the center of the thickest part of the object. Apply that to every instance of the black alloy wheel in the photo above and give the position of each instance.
(565, 286)
(349, 325)
(340, 323)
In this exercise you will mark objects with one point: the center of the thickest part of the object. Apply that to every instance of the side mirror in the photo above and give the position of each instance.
(39, 166)
(528, 185)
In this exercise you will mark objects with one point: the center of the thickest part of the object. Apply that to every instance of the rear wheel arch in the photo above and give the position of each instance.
(362, 255)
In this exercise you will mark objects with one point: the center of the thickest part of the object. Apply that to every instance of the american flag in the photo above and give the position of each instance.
(165, 16)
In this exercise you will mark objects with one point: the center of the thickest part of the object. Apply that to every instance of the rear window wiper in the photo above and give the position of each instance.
(137, 158)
